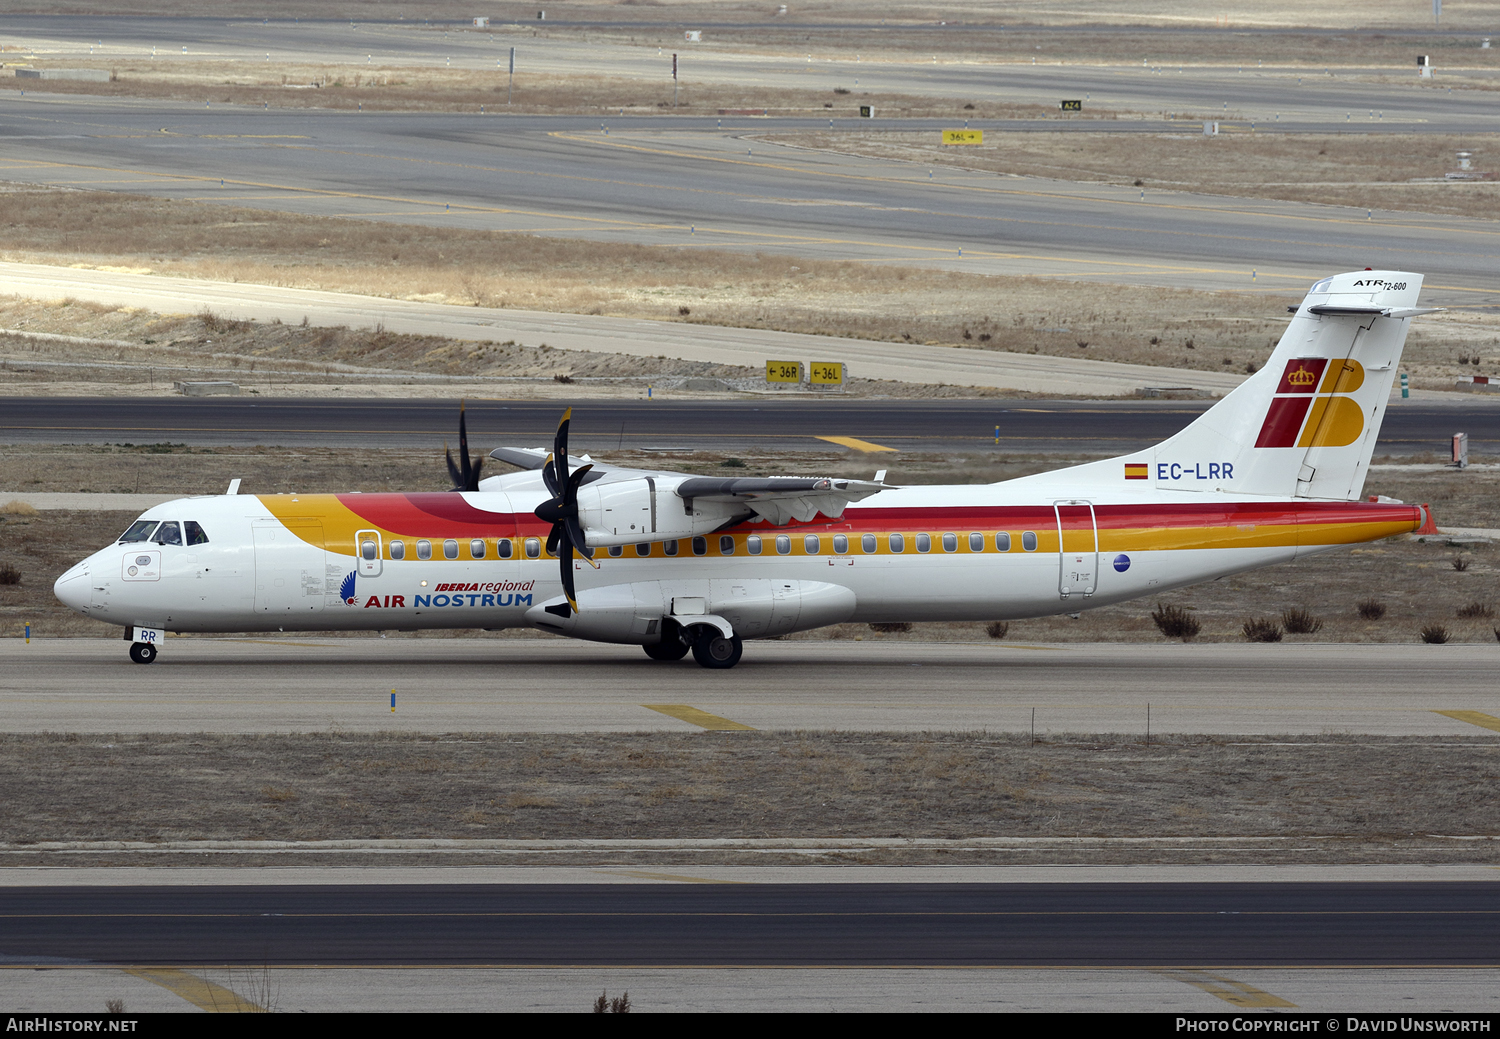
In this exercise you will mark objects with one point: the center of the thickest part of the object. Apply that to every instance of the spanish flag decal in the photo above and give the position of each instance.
(1137, 471)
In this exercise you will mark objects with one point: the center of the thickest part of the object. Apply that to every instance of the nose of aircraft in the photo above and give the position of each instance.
(72, 588)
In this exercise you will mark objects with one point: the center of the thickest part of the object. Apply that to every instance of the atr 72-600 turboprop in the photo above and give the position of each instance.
(677, 563)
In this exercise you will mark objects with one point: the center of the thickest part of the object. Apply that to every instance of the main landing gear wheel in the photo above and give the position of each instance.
(142, 652)
(669, 649)
(713, 650)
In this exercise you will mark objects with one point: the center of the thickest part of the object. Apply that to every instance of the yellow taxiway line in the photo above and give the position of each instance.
(1230, 991)
(205, 995)
(1484, 721)
(857, 445)
(693, 716)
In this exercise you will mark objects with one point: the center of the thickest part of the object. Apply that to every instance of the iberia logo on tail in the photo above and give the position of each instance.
(1311, 407)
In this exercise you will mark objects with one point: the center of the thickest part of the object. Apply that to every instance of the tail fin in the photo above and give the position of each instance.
(1305, 425)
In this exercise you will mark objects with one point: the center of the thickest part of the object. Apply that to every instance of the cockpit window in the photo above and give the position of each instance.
(168, 533)
(140, 530)
(195, 534)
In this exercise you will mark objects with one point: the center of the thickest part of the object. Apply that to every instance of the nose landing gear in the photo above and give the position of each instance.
(142, 652)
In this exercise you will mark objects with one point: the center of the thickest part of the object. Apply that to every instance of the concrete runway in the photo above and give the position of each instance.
(287, 684)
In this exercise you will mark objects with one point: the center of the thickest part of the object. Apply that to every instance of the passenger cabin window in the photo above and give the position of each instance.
(168, 534)
(617, 550)
(450, 549)
(1028, 541)
(950, 542)
(424, 549)
(643, 549)
(533, 548)
(669, 547)
(398, 550)
(195, 534)
(726, 544)
(810, 545)
(924, 543)
(503, 548)
(140, 530)
(752, 544)
(898, 542)
(368, 549)
(976, 542)
(476, 548)
(869, 543)
(783, 544)
(700, 546)
(1002, 542)
(840, 544)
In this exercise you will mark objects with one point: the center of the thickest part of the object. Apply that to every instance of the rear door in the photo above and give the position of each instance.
(1078, 547)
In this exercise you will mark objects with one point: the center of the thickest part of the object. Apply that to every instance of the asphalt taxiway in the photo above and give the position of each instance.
(764, 424)
(279, 683)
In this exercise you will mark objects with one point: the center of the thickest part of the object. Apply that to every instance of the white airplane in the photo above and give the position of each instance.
(673, 562)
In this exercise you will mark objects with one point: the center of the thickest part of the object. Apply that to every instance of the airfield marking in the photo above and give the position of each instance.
(1230, 991)
(203, 994)
(857, 445)
(1484, 721)
(693, 716)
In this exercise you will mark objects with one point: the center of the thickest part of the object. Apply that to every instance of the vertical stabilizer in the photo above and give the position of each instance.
(1305, 425)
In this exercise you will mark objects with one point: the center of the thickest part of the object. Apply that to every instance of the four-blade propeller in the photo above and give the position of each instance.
(562, 511)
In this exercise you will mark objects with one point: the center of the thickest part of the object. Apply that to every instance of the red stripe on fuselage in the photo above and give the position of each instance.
(413, 515)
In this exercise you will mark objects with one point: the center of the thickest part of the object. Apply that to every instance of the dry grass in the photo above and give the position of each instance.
(406, 88)
(1367, 792)
(1364, 172)
(1175, 328)
(1262, 629)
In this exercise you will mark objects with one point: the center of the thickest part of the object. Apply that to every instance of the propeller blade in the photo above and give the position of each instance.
(575, 536)
(553, 537)
(549, 477)
(565, 561)
(463, 449)
(560, 450)
(453, 473)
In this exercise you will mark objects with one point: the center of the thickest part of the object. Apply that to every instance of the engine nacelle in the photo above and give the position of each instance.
(646, 509)
(755, 608)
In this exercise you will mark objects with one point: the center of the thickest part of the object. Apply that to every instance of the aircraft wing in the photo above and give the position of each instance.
(780, 499)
